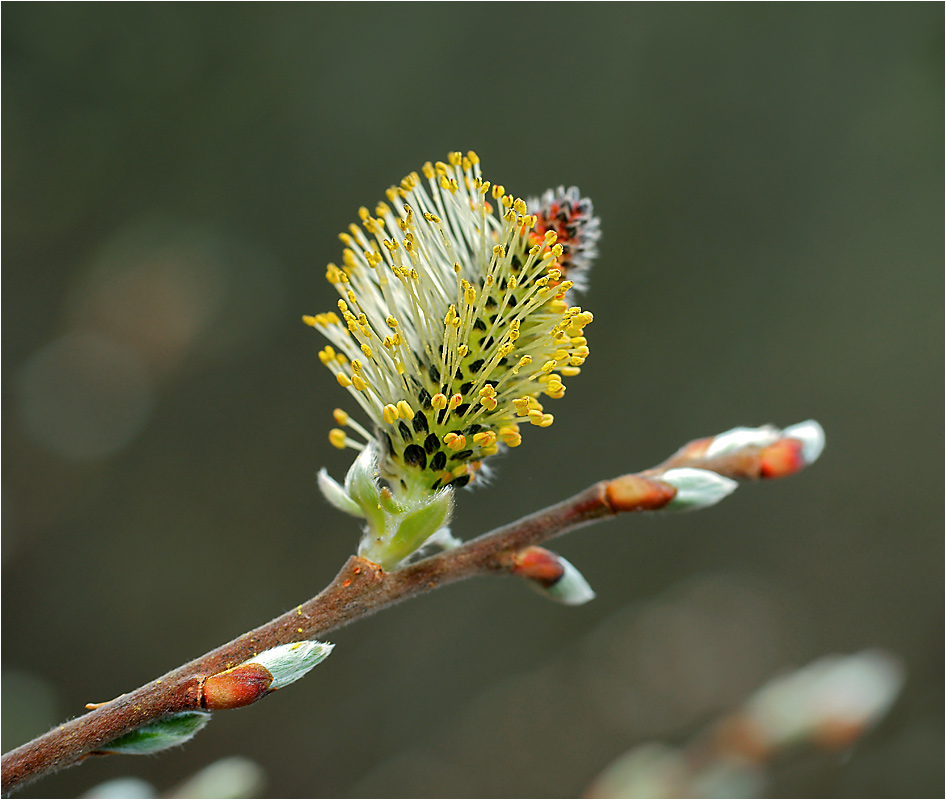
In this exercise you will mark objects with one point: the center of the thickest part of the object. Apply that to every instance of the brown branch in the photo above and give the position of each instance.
(361, 588)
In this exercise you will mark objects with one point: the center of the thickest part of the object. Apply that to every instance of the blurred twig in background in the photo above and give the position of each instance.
(830, 704)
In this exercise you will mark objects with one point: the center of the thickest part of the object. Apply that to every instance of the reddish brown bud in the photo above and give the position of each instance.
(236, 687)
(693, 450)
(538, 564)
(633, 493)
(783, 458)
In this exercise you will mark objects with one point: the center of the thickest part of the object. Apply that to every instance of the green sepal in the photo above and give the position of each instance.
(417, 526)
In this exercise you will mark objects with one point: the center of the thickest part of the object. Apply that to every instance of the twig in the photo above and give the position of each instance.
(361, 588)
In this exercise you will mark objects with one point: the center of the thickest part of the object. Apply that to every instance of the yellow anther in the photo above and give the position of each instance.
(554, 274)
(431, 218)
(512, 439)
(389, 414)
(498, 191)
(535, 417)
(404, 409)
(499, 250)
(578, 341)
(309, 320)
(356, 365)
(346, 239)
(341, 417)
(535, 250)
(462, 350)
(439, 401)
(391, 322)
(524, 362)
(489, 403)
(342, 306)
(474, 158)
(484, 438)
(558, 250)
(469, 295)
(363, 213)
(547, 419)
(455, 441)
(338, 438)
(428, 170)
(455, 400)
(520, 206)
(359, 383)
(564, 286)
(366, 350)
(327, 356)
(454, 157)
(547, 367)
(343, 380)
(560, 355)
(488, 391)
(550, 238)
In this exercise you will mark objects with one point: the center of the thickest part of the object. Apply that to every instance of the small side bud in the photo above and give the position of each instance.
(696, 488)
(552, 576)
(157, 736)
(270, 670)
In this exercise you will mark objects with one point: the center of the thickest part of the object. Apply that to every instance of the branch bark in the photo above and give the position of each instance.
(362, 588)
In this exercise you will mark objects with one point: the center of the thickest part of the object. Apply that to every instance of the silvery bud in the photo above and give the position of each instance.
(696, 488)
(156, 736)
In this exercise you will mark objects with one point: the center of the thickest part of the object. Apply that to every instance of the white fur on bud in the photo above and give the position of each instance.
(696, 488)
(812, 438)
(156, 736)
(737, 438)
(289, 662)
(571, 589)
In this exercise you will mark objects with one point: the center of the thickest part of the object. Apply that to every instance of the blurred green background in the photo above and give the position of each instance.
(769, 180)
